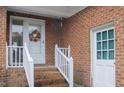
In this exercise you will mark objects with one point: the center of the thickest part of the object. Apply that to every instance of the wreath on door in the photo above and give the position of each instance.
(34, 36)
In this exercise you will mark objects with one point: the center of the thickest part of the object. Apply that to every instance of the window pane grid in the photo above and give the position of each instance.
(105, 45)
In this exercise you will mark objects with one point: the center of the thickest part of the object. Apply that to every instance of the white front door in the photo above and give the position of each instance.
(103, 73)
(34, 36)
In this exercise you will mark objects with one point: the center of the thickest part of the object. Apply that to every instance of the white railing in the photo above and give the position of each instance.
(64, 63)
(14, 56)
(66, 51)
(19, 56)
(28, 66)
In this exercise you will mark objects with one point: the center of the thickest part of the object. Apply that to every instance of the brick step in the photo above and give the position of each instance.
(49, 82)
(46, 77)
(45, 69)
(58, 85)
(40, 71)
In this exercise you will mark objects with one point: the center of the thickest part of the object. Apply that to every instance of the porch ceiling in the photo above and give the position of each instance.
(49, 11)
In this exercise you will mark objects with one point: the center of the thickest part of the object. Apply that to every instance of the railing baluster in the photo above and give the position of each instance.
(14, 56)
(11, 54)
(64, 65)
(22, 58)
(65, 52)
(19, 57)
(60, 61)
(16, 49)
(66, 68)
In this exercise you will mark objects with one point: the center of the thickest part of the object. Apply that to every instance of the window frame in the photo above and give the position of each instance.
(108, 50)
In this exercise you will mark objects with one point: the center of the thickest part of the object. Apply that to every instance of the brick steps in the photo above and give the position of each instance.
(49, 77)
(58, 85)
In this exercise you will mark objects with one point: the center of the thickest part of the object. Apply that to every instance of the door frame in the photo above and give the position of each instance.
(32, 19)
(92, 32)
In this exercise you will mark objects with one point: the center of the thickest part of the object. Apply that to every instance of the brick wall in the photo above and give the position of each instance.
(16, 77)
(76, 32)
(2, 46)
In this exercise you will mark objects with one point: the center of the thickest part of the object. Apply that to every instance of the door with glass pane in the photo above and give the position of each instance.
(34, 37)
(104, 58)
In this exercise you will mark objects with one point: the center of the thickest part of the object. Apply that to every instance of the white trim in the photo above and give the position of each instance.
(25, 18)
(91, 58)
(10, 40)
(15, 67)
(42, 22)
(99, 29)
(48, 11)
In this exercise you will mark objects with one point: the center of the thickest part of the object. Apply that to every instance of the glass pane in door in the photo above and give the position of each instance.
(111, 54)
(104, 35)
(98, 45)
(98, 55)
(111, 34)
(111, 44)
(17, 32)
(104, 54)
(99, 36)
(104, 45)
(16, 40)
